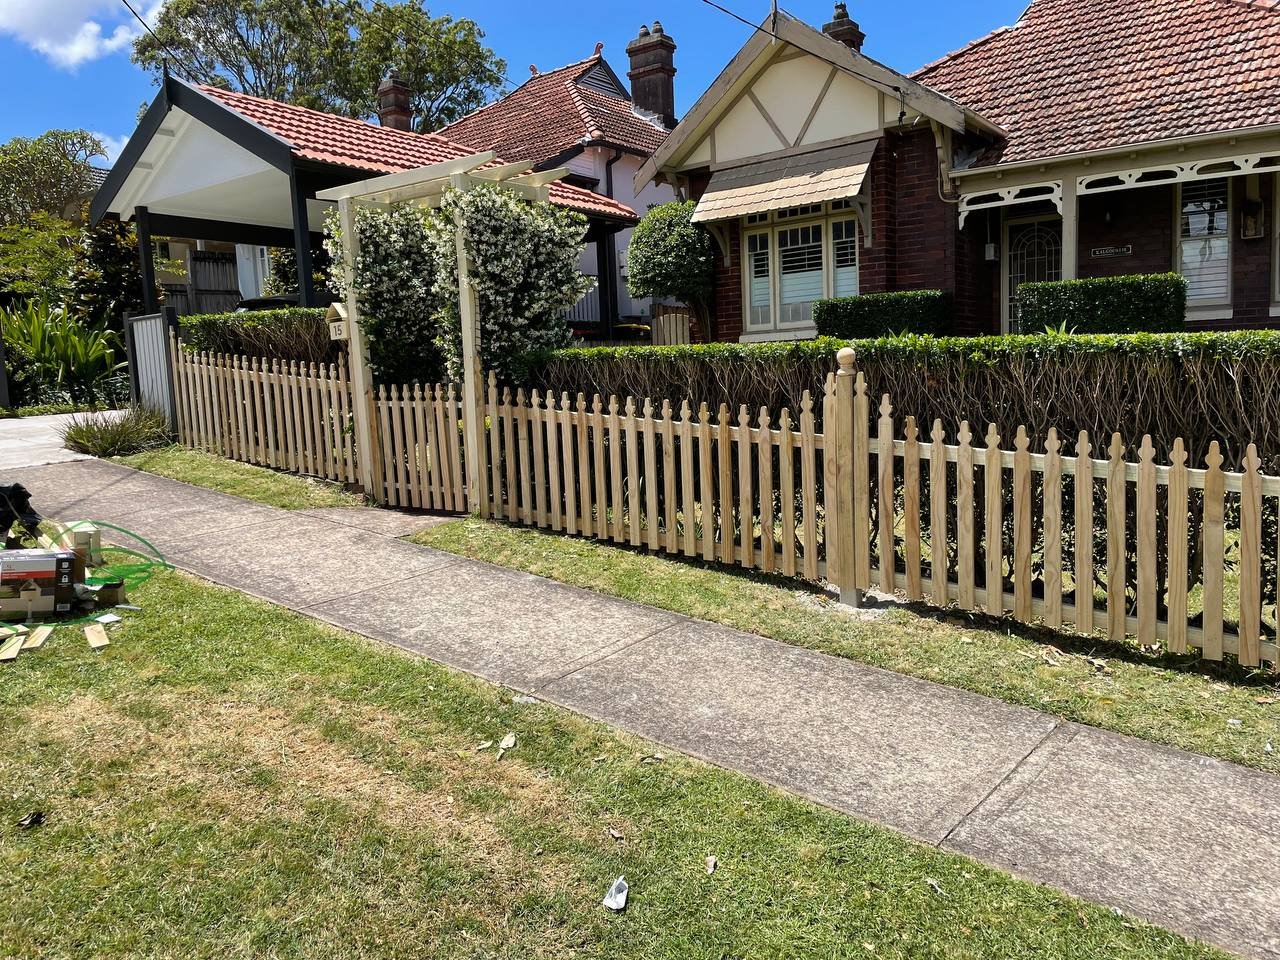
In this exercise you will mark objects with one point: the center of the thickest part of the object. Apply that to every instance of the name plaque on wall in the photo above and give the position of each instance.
(1106, 253)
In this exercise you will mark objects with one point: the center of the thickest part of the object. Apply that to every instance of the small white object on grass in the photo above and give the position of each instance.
(616, 898)
(108, 618)
(934, 885)
(127, 606)
(523, 699)
(1233, 722)
(1268, 748)
(712, 863)
(507, 743)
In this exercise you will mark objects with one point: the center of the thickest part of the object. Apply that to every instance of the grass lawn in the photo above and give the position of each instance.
(229, 779)
(1172, 700)
(241, 479)
(1179, 701)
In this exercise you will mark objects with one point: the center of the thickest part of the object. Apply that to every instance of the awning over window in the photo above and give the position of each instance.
(835, 173)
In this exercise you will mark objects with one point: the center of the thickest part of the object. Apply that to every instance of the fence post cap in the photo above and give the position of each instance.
(845, 357)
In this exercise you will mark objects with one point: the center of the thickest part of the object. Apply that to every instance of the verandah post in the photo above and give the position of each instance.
(840, 529)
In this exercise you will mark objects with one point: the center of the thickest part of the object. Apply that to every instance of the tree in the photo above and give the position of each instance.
(36, 256)
(671, 256)
(442, 61)
(325, 54)
(51, 174)
(106, 278)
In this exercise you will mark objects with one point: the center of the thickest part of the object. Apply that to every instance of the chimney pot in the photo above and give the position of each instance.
(653, 72)
(394, 104)
(843, 28)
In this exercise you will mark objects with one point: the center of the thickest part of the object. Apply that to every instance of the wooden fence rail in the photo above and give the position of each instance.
(287, 415)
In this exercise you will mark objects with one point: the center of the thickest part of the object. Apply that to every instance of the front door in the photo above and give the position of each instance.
(1033, 253)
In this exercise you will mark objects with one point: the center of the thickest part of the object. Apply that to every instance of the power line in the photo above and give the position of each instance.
(163, 46)
(839, 66)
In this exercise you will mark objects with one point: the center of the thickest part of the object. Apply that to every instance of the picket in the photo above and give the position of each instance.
(718, 485)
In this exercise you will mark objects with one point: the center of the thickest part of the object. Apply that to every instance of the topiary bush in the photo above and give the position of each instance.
(1143, 303)
(292, 333)
(884, 314)
(671, 256)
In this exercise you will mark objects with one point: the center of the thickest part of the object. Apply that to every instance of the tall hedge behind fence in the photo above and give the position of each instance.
(291, 333)
(1201, 387)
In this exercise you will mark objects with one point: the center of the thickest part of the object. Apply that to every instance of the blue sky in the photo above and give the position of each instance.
(65, 63)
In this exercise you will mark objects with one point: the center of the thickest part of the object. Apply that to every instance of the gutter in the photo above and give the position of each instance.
(1190, 140)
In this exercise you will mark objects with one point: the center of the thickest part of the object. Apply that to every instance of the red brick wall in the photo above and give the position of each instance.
(875, 263)
(727, 322)
(1252, 269)
(1143, 219)
(923, 248)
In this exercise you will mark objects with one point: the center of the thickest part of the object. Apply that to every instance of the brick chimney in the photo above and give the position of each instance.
(393, 103)
(844, 29)
(653, 73)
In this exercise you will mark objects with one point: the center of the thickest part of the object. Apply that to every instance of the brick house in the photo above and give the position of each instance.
(1087, 140)
(583, 118)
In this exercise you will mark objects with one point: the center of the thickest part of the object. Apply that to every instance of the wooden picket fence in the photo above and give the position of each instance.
(898, 513)
(421, 435)
(286, 415)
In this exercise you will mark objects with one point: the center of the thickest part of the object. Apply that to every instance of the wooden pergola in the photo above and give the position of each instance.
(426, 186)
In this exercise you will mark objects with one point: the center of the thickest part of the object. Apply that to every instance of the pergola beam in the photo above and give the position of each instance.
(375, 188)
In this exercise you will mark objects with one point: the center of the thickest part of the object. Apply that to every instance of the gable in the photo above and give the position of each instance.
(794, 101)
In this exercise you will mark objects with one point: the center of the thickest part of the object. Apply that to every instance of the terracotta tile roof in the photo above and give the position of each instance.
(552, 112)
(355, 144)
(1073, 76)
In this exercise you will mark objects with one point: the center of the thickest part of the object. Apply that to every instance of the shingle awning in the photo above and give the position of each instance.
(835, 173)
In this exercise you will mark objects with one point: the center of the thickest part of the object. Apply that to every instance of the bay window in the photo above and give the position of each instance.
(793, 258)
(1204, 240)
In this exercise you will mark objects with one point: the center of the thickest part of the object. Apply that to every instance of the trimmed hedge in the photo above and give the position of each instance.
(884, 314)
(1200, 386)
(1142, 303)
(292, 333)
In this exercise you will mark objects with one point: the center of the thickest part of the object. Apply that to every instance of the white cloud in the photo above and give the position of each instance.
(71, 32)
(113, 144)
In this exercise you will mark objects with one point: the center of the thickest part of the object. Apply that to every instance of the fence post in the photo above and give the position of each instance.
(841, 532)
(367, 445)
(472, 377)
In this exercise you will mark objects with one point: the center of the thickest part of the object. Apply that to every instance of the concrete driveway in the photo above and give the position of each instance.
(31, 441)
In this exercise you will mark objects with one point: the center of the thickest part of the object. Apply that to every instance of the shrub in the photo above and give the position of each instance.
(1144, 303)
(55, 356)
(884, 314)
(1198, 386)
(293, 333)
(117, 433)
(524, 271)
(671, 256)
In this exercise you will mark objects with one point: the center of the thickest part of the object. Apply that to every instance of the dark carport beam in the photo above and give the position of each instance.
(302, 240)
(142, 222)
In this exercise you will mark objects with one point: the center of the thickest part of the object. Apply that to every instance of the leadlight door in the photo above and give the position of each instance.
(1034, 254)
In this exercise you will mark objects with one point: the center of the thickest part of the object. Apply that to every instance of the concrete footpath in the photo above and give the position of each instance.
(1187, 842)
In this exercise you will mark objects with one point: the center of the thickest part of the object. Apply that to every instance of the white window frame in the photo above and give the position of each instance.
(773, 224)
(1208, 309)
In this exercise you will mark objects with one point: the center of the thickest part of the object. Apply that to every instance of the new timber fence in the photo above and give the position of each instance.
(1082, 534)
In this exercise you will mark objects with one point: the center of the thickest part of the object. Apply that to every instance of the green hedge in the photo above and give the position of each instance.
(1198, 386)
(884, 314)
(292, 333)
(1143, 303)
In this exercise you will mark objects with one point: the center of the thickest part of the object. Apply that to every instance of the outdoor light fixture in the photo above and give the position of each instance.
(1252, 216)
